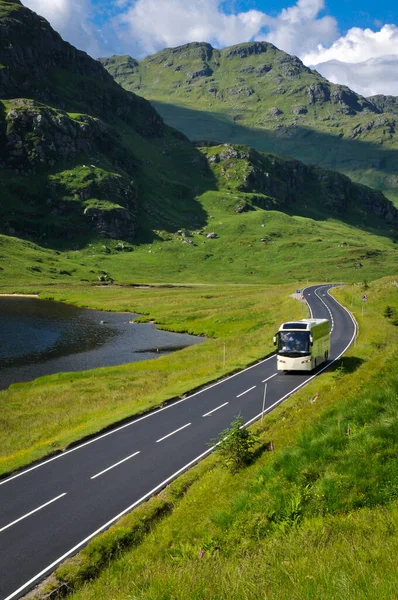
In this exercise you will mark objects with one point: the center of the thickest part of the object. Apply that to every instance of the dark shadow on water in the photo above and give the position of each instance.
(161, 349)
(42, 337)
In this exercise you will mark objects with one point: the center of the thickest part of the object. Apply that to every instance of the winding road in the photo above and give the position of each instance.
(52, 509)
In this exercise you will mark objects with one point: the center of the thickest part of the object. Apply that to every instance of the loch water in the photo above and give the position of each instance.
(42, 337)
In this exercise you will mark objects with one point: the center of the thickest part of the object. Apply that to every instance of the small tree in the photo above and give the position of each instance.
(365, 285)
(389, 312)
(235, 445)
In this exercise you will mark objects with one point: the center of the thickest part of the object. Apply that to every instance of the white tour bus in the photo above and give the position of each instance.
(302, 345)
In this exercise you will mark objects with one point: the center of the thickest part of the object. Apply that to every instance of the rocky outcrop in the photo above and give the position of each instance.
(245, 50)
(36, 63)
(349, 101)
(205, 71)
(120, 67)
(385, 103)
(37, 136)
(114, 223)
(318, 92)
(300, 110)
(275, 112)
(290, 181)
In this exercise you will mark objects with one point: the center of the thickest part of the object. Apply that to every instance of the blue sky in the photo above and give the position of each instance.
(349, 13)
(349, 41)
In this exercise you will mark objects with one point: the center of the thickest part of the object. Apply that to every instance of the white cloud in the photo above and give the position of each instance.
(72, 20)
(150, 25)
(374, 76)
(363, 59)
(298, 29)
(358, 45)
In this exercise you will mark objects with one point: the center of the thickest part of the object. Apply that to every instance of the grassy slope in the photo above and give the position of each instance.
(300, 249)
(52, 411)
(234, 104)
(316, 246)
(316, 519)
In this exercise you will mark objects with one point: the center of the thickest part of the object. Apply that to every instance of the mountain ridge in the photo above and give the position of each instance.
(88, 167)
(255, 94)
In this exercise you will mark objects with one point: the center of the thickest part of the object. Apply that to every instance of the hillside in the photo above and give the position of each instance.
(265, 219)
(95, 187)
(80, 158)
(255, 94)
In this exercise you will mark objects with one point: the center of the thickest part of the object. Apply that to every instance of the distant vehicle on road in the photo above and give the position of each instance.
(302, 345)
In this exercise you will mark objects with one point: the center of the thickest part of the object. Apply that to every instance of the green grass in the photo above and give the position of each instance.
(316, 518)
(296, 248)
(51, 412)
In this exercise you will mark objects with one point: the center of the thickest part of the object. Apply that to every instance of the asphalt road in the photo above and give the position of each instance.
(49, 511)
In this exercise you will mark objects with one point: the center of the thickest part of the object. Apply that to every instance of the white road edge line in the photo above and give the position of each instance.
(173, 432)
(115, 465)
(243, 393)
(108, 524)
(32, 512)
(166, 481)
(214, 409)
(270, 377)
(306, 301)
(323, 302)
(269, 408)
(155, 412)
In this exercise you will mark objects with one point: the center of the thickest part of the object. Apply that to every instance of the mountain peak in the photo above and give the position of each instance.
(249, 48)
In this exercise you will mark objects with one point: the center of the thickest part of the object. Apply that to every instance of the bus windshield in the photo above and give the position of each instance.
(293, 343)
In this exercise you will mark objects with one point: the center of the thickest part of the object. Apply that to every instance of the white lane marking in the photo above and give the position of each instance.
(270, 377)
(323, 302)
(32, 512)
(214, 409)
(100, 437)
(166, 481)
(115, 465)
(243, 393)
(173, 432)
(269, 408)
(106, 525)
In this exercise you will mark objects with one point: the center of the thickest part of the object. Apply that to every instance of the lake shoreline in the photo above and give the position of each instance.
(19, 295)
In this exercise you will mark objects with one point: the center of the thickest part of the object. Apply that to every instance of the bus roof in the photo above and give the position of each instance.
(304, 324)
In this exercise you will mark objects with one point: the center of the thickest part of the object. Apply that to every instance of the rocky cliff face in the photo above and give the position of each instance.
(36, 63)
(387, 104)
(37, 136)
(290, 183)
(71, 139)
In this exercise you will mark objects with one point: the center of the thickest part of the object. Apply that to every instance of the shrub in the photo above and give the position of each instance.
(235, 445)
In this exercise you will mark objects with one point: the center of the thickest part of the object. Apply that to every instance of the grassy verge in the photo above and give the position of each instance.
(317, 518)
(49, 413)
